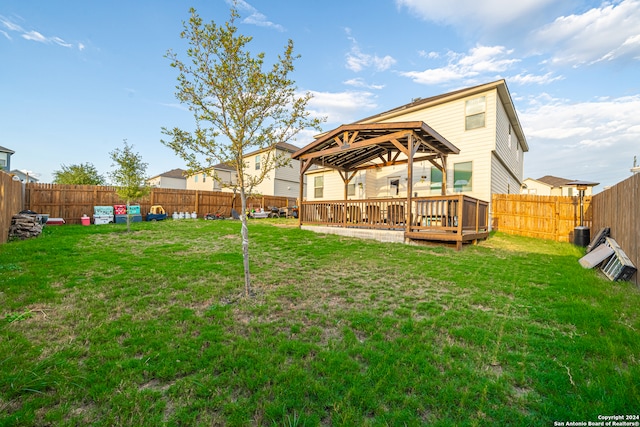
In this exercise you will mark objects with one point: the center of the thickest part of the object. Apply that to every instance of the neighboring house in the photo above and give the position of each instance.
(282, 181)
(552, 186)
(172, 179)
(481, 121)
(5, 158)
(24, 177)
(205, 181)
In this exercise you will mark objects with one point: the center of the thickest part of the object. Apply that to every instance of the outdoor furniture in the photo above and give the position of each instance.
(373, 214)
(354, 214)
(395, 214)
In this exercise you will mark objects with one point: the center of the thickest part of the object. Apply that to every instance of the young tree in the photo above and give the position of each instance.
(129, 175)
(237, 106)
(80, 174)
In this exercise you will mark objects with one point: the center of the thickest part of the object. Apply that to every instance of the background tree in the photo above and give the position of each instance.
(129, 175)
(237, 106)
(80, 174)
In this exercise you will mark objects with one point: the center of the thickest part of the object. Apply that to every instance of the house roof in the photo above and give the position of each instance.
(358, 146)
(554, 181)
(6, 150)
(173, 173)
(422, 103)
(284, 146)
(24, 176)
(225, 167)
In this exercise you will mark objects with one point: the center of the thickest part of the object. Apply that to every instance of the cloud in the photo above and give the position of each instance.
(341, 107)
(32, 35)
(358, 60)
(476, 14)
(598, 138)
(460, 66)
(534, 79)
(9, 25)
(600, 34)
(255, 17)
(359, 82)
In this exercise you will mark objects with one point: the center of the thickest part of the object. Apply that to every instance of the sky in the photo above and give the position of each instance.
(77, 78)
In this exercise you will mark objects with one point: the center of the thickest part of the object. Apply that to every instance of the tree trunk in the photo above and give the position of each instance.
(128, 227)
(245, 243)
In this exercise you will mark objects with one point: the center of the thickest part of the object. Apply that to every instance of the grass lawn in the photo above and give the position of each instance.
(103, 327)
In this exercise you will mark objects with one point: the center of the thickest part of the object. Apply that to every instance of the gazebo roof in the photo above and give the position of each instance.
(353, 146)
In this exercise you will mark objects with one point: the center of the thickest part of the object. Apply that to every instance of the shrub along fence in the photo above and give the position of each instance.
(544, 217)
(619, 209)
(71, 202)
(11, 202)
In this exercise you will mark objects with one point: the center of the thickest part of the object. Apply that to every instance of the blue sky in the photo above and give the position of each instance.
(78, 77)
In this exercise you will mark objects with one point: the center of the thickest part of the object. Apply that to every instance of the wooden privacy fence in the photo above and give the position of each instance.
(544, 217)
(11, 202)
(619, 209)
(72, 201)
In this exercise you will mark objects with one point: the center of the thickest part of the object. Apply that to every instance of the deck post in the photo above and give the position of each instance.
(408, 214)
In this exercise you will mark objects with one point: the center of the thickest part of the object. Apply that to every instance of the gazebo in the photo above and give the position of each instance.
(351, 148)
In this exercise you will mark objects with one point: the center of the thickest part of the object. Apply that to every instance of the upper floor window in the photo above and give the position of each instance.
(195, 178)
(204, 177)
(318, 187)
(475, 111)
(258, 162)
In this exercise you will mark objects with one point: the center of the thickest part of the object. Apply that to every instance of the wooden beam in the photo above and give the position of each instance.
(360, 144)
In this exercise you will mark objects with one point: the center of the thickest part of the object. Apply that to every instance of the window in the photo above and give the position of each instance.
(394, 186)
(351, 189)
(318, 187)
(258, 162)
(570, 192)
(436, 180)
(3, 163)
(462, 173)
(195, 178)
(204, 177)
(475, 113)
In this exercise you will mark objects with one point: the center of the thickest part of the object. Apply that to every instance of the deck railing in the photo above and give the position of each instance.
(453, 214)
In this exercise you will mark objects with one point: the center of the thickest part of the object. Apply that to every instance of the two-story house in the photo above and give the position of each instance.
(5, 158)
(171, 179)
(481, 121)
(282, 181)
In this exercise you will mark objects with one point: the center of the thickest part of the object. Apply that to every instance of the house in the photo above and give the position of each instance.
(204, 181)
(24, 177)
(5, 158)
(282, 181)
(482, 124)
(172, 179)
(552, 186)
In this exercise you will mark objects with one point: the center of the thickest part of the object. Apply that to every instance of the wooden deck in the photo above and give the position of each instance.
(456, 218)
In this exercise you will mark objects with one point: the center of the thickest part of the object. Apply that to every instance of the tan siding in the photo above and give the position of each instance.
(475, 145)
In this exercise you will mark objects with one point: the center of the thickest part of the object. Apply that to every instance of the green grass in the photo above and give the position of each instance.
(103, 327)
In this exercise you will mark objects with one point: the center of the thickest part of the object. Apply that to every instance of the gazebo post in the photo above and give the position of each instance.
(409, 214)
(301, 194)
(443, 160)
